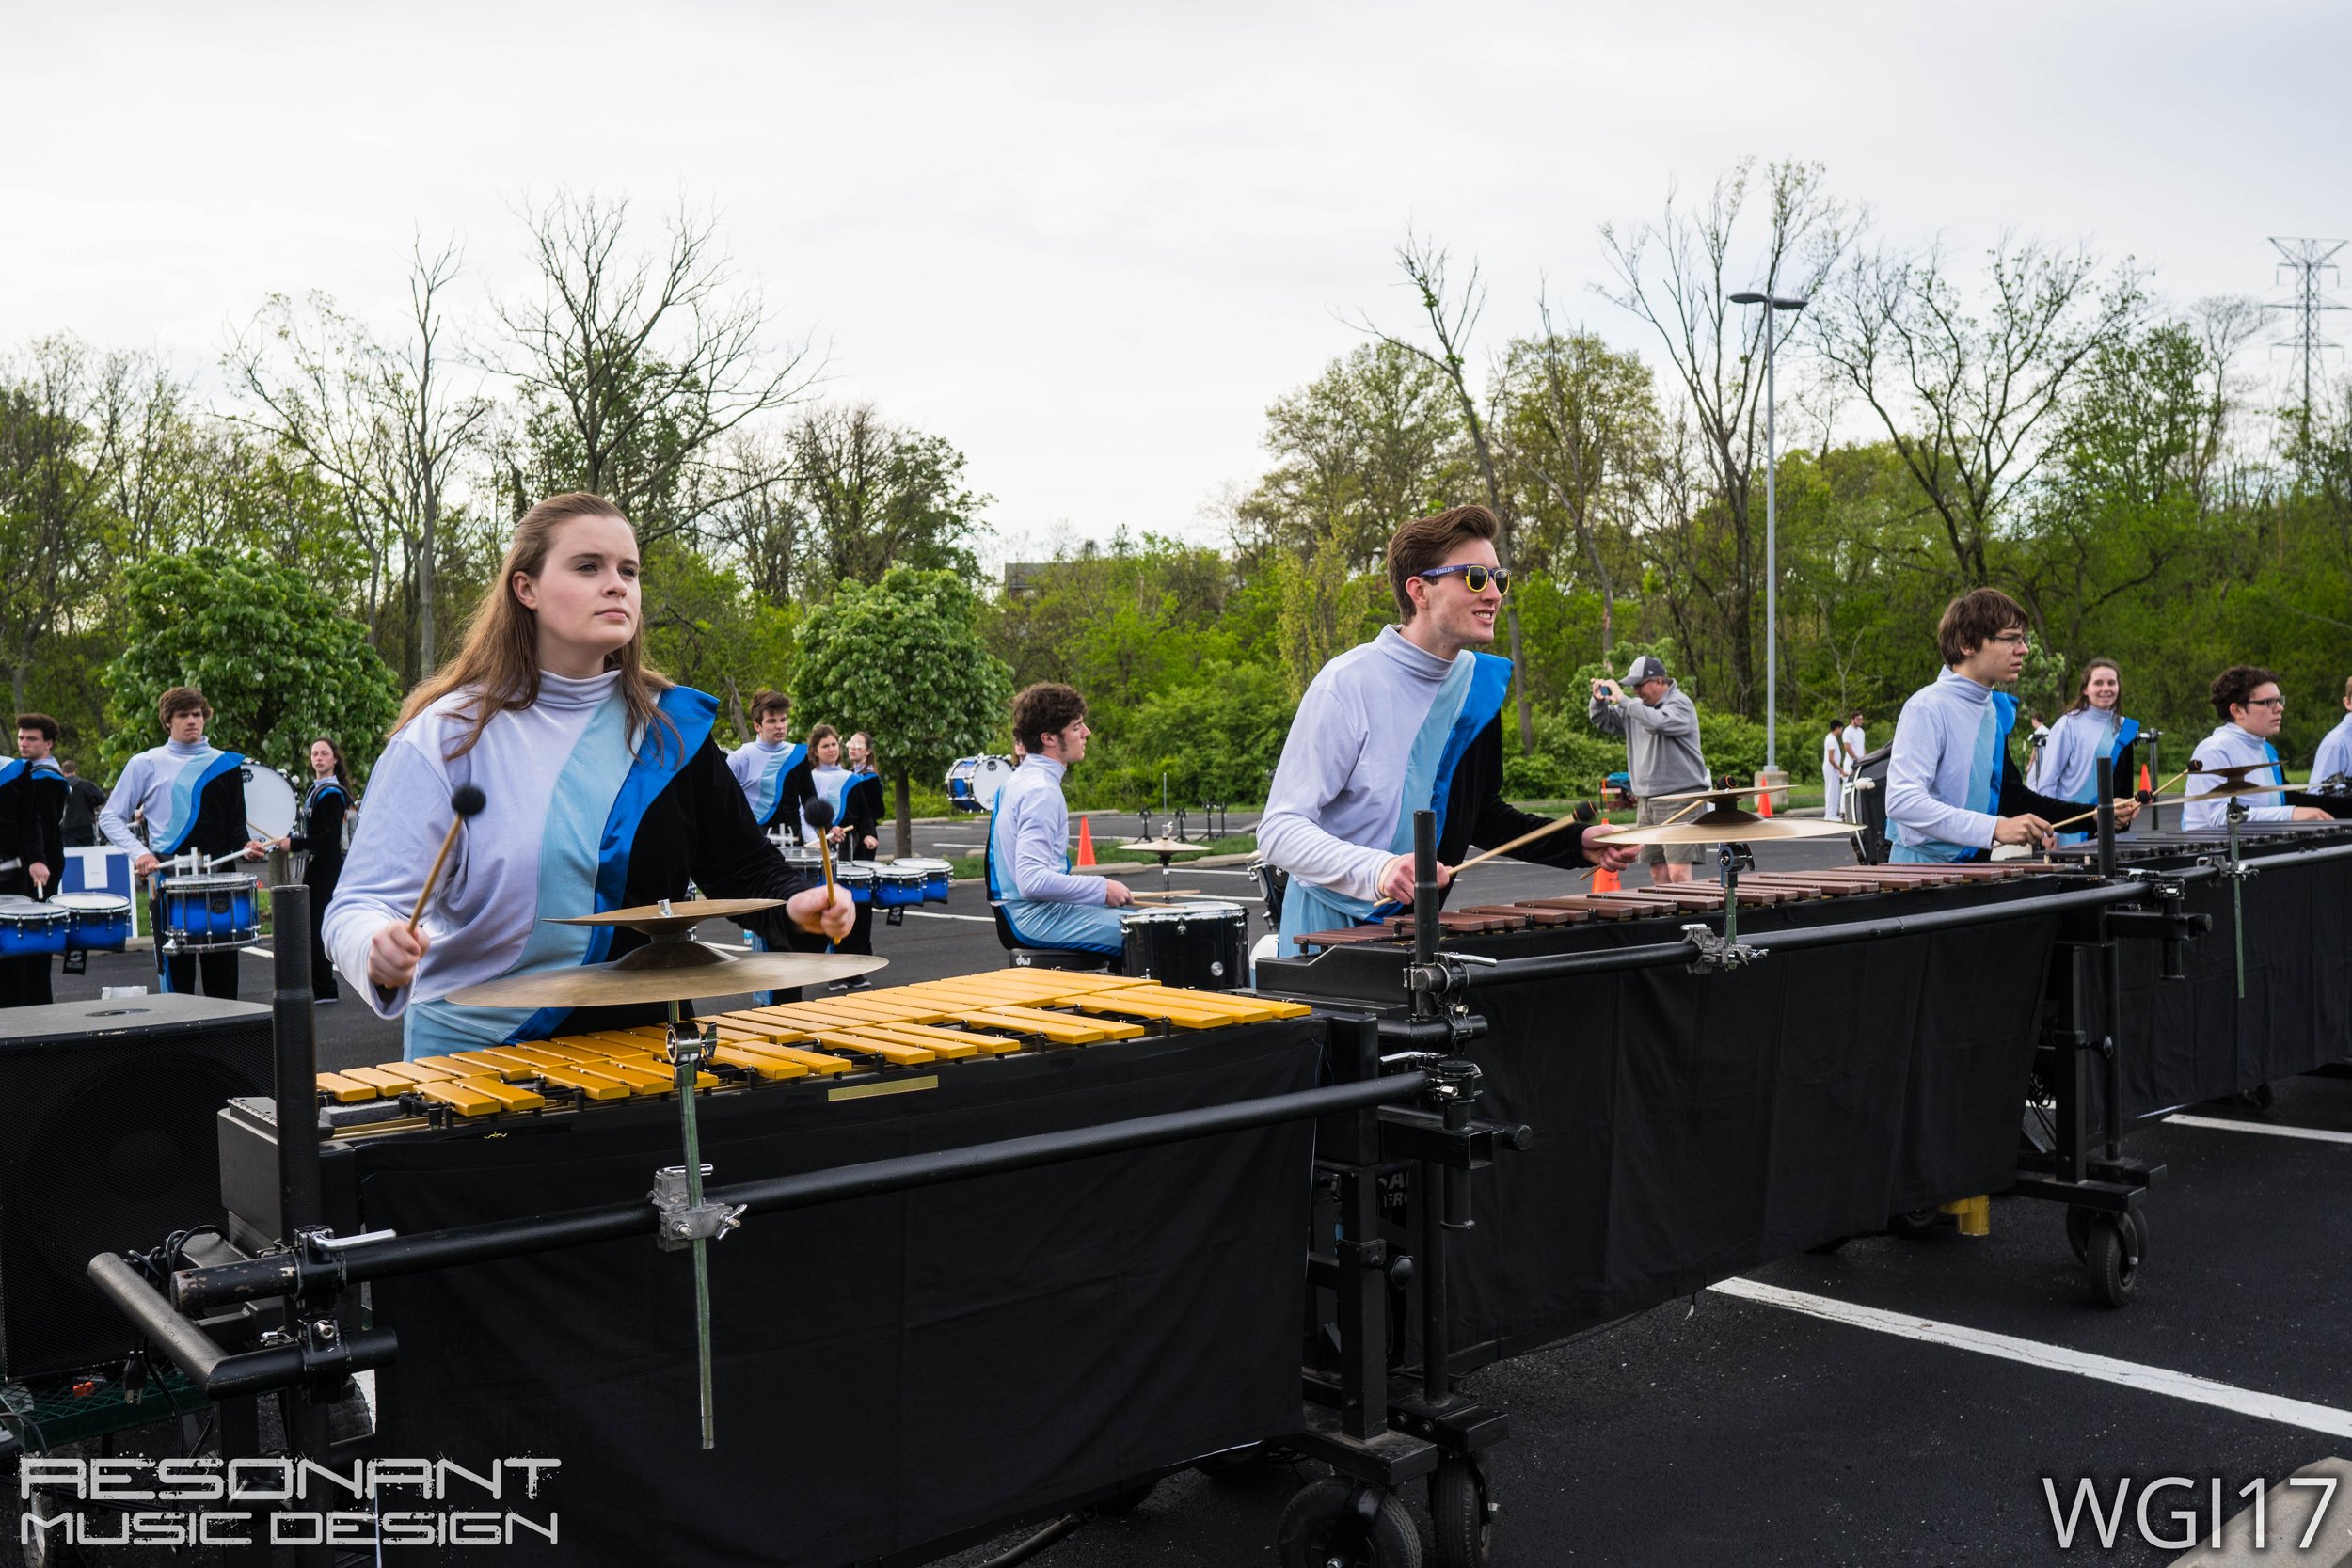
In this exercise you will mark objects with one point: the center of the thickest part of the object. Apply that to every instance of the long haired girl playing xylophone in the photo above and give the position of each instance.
(603, 789)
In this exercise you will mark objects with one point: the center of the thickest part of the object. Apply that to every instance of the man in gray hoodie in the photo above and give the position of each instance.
(1660, 727)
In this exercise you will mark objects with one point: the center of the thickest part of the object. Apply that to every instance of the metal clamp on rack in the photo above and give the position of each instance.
(1715, 953)
(683, 1219)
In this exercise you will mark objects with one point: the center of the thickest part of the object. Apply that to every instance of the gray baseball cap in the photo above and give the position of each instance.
(1646, 668)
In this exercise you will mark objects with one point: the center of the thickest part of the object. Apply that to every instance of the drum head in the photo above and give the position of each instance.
(269, 801)
(92, 903)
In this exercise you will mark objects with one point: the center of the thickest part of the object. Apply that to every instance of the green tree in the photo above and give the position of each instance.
(279, 663)
(903, 661)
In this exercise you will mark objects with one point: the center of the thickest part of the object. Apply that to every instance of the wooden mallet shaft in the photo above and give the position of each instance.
(2086, 815)
(464, 804)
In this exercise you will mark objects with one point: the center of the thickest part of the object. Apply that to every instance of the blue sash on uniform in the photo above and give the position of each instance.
(170, 837)
(1466, 702)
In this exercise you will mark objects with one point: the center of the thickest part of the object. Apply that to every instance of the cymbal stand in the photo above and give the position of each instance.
(2237, 871)
(1724, 951)
(687, 1221)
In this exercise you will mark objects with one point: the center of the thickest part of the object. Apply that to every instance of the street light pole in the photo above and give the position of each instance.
(1772, 526)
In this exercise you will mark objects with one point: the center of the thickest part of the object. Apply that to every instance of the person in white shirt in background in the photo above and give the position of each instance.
(2247, 699)
(1835, 768)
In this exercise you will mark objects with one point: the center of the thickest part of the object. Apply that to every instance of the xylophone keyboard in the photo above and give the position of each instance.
(891, 1040)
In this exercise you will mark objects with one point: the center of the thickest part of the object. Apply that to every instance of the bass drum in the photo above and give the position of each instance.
(270, 802)
(973, 783)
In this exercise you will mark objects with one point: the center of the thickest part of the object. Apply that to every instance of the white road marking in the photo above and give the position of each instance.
(257, 953)
(931, 915)
(2317, 1135)
(2057, 1358)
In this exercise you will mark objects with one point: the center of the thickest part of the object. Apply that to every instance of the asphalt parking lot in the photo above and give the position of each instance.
(1898, 1402)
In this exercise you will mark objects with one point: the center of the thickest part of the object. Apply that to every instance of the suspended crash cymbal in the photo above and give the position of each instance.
(1165, 847)
(672, 915)
(2235, 779)
(1731, 827)
(666, 972)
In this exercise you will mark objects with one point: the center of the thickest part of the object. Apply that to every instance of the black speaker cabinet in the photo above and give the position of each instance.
(107, 1144)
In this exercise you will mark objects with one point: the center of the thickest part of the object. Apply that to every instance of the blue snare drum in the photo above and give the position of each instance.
(935, 876)
(856, 880)
(30, 929)
(102, 922)
(211, 912)
(899, 886)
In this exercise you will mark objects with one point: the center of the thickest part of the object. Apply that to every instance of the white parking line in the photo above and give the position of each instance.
(932, 914)
(2057, 1358)
(257, 953)
(2317, 1135)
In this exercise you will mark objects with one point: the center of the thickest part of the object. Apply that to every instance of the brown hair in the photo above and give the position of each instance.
(2081, 691)
(2347, 689)
(1976, 618)
(499, 662)
(1425, 541)
(2235, 684)
(816, 734)
(179, 699)
(42, 722)
(343, 774)
(767, 700)
(1044, 709)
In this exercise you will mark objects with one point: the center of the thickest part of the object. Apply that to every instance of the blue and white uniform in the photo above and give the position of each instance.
(165, 785)
(2335, 752)
(2230, 747)
(2068, 768)
(580, 815)
(1028, 866)
(1342, 806)
(761, 769)
(1944, 777)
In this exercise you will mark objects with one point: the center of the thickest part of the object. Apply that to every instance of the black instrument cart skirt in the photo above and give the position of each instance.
(2193, 1039)
(892, 1370)
(1690, 1127)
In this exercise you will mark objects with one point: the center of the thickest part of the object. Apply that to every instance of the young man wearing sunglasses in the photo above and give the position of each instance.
(1410, 720)
(1952, 791)
(1660, 727)
(2246, 698)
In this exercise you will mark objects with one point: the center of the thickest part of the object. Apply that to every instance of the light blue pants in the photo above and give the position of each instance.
(1091, 927)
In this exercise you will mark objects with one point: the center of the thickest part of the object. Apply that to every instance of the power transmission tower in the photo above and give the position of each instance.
(2304, 260)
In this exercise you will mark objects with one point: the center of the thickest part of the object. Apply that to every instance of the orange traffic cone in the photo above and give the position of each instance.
(1605, 880)
(1085, 841)
(2145, 787)
(1763, 801)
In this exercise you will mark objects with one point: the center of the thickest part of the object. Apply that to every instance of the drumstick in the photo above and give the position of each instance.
(1586, 874)
(2086, 815)
(464, 803)
(819, 816)
(1551, 827)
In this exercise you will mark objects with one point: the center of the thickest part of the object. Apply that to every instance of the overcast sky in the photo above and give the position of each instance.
(1089, 244)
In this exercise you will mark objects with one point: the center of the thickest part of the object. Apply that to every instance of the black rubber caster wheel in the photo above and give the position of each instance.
(1461, 1517)
(2114, 1259)
(1338, 1524)
(1911, 1224)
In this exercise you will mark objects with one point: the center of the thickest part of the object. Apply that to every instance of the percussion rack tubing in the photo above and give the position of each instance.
(278, 1274)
